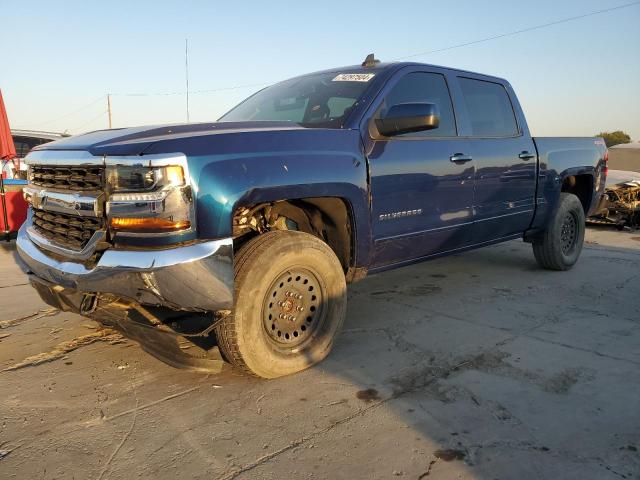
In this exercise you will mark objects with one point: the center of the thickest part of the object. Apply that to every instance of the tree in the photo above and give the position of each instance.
(614, 138)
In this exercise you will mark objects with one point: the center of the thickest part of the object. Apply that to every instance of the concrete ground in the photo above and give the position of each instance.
(475, 366)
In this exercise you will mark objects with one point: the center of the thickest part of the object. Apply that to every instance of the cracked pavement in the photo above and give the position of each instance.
(474, 366)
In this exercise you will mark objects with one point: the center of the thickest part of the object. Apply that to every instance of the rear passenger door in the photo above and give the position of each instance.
(504, 156)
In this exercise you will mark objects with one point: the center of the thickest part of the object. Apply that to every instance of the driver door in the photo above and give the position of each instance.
(422, 199)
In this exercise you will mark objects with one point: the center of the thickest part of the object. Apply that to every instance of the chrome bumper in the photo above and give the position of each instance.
(197, 277)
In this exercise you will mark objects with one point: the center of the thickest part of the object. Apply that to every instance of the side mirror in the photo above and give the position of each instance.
(409, 117)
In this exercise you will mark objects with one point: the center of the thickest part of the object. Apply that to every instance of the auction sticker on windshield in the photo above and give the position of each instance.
(354, 77)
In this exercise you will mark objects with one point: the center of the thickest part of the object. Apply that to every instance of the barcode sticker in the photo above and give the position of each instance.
(354, 77)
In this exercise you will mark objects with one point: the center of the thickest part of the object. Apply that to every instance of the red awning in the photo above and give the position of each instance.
(7, 148)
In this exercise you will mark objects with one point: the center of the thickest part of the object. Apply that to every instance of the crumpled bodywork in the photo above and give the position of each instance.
(620, 204)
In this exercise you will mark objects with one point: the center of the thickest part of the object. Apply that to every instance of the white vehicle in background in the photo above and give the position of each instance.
(24, 141)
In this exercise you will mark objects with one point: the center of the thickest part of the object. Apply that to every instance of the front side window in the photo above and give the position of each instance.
(489, 108)
(322, 100)
(421, 87)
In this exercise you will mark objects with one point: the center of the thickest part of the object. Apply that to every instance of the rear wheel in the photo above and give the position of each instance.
(561, 244)
(290, 302)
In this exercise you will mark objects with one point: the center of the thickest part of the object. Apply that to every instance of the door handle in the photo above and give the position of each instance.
(460, 158)
(526, 155)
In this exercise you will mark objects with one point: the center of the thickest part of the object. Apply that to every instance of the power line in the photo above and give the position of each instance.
(91, 121)
(237, 87)
(191, 92)
(516, 32)
(418, 54)
(93, 102)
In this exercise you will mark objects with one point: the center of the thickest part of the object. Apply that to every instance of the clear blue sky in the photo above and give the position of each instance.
(576, 78)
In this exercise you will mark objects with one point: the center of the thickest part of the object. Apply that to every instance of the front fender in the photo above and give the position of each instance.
(223, 182)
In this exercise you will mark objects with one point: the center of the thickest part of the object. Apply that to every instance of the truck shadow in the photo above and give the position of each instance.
(478, 364)
(483, 356)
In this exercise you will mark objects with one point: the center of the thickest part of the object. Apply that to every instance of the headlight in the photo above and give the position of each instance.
(152, 197)
(144, 178)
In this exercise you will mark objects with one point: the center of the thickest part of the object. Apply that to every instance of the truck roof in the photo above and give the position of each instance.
(386, 66)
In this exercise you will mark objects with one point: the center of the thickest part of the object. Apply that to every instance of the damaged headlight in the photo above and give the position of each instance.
(137, 178)
(149, 195)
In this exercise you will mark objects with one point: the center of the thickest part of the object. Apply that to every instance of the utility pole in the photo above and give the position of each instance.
(109, 108)
(186, 71)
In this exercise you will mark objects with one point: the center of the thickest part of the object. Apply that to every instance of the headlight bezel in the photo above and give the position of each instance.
(150, 179)
(167, 198)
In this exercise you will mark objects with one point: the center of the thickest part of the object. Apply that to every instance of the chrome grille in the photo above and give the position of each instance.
(66, 230)
(70, 178)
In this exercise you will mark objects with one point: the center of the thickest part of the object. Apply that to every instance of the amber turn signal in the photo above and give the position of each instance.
(151, 224)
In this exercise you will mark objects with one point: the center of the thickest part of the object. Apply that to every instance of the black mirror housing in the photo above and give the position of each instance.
(409, 117)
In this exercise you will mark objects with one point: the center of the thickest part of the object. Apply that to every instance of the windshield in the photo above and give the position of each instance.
(323, 100)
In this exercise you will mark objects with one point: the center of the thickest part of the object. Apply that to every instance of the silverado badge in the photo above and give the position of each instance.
(396, 215)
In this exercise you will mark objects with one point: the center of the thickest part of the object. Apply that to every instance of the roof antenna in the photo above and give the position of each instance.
(370, 61)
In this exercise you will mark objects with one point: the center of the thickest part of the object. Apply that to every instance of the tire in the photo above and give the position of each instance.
(290, 303)
(560, 246)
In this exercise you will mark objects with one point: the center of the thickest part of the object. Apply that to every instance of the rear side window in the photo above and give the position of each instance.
(424, 88)
(489, 108)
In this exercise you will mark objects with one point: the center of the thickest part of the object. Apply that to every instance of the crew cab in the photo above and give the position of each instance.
(256, 223)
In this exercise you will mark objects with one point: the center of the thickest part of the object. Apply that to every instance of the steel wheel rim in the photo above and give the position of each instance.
(293, 309)
(569, 233)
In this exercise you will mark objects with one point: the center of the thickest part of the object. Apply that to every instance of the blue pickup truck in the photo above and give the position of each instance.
(256, 223)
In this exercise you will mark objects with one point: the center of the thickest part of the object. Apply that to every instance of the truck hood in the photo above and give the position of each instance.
(138, 140)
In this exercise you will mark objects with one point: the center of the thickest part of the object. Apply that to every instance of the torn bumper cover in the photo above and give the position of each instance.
(197, 277)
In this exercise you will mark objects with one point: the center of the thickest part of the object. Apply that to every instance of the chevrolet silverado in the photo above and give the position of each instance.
(256, 223)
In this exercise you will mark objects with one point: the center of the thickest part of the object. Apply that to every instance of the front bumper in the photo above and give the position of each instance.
(197, 277)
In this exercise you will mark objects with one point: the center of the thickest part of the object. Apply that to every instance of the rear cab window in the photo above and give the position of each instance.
(489, 108)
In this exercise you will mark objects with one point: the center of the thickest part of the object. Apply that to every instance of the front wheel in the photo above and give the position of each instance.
(290, 302)
(560, 246)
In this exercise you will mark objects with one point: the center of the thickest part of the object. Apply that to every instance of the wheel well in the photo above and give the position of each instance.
(582, 187)
(327, 218)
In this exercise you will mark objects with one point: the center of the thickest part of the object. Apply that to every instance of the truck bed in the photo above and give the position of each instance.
(563, 157)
